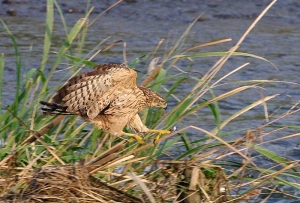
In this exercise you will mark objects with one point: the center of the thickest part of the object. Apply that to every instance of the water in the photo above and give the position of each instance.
(143, 24)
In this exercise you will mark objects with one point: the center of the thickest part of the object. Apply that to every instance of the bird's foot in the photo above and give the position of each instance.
(136, 137)
(159, 133)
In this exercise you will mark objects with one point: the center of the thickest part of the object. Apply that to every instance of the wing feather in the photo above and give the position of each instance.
(94, 91)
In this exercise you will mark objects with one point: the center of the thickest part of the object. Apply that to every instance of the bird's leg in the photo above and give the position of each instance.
(135, 136)
(159, 133)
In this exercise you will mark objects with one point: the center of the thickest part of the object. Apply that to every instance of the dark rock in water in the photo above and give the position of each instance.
(74, 10)
(212, 5)
(130, 1)
(235, 16)
(225, 16)
(79, 11)
(70, 10)
(11, 12)
(7, 2)
(44, 9)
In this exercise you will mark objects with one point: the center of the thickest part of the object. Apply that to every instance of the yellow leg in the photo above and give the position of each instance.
(159, 133)
(135, 136)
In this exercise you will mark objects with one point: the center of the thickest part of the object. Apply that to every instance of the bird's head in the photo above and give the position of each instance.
(158, 101)
(153, 99)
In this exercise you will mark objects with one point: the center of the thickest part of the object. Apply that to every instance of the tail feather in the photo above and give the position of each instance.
(54, 109)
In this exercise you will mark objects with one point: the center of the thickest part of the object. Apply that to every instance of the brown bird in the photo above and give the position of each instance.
(109, 98)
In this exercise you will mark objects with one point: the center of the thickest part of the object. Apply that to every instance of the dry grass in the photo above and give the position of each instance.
(169, 181)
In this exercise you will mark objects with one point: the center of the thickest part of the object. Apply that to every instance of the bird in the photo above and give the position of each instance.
(109, 98)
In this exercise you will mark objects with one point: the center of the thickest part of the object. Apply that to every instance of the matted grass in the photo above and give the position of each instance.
(60, 159)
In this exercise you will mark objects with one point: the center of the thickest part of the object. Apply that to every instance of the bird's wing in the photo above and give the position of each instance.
(93, 91)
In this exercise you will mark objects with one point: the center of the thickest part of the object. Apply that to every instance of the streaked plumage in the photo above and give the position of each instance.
(107, 97)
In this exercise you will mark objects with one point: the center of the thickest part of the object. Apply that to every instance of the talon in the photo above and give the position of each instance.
(135, 136)
(159, 134)
(130, 140)
(155, 141)
(139, 140)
